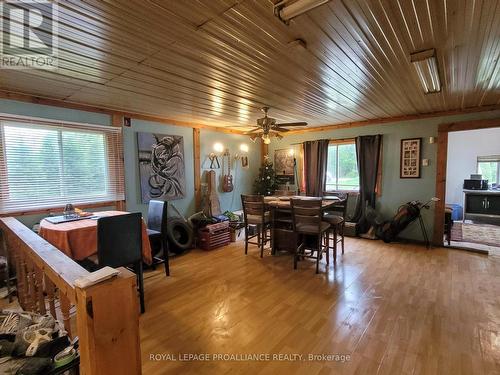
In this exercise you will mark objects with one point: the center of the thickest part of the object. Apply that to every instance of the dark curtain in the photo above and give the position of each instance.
(315, 158)
(368, 154)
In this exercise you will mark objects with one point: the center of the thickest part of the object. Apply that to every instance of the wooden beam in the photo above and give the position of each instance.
(388, 120)
(442, 157)
(469, 125)
(197, 168)
(109, 111)
(117, 120)
(264, 151)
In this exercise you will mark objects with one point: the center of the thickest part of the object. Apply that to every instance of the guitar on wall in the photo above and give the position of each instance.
(227, 179)
(212, 204)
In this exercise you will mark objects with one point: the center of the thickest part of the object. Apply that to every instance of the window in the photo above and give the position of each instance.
(489, 168)
(342, 167)
(44, 165)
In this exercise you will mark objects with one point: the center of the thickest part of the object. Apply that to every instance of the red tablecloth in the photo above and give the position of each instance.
(78, 239)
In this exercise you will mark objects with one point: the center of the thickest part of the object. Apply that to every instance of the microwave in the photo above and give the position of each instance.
(475, 184)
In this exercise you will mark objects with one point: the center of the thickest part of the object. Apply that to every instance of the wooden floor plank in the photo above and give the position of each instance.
(394, 309)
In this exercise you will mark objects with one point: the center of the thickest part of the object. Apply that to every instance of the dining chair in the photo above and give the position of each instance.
(119, 244)
(335, 216)
(255, 213)
(312, 230)
(157, 233)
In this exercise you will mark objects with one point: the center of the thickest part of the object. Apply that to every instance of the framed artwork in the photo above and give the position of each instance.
(410, 158)
(283, 162)
(161, 166)
(244, 162)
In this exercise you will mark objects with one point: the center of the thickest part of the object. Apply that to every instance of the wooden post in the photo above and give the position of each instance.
(197, 168)
(112, 345)
(442, 155)
(264, 151)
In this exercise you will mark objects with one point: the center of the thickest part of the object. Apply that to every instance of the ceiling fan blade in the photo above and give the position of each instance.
(253, 130)
(293, 124)
(280, 129)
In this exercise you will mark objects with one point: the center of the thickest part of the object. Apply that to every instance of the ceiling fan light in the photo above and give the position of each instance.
(266, 139)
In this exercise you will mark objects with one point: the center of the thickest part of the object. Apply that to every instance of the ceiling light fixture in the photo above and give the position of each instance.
(425, 64)
(286, 12)
(266, 139)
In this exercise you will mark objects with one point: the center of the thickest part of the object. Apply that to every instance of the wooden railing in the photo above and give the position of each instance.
(107, 314)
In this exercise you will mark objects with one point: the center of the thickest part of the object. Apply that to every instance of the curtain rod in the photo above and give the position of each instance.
(335, 139)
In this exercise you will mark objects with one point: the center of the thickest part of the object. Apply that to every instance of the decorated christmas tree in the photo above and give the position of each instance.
(266, 184)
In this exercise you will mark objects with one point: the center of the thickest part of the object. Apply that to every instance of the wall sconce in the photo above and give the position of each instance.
(244, 147)
(218, 147)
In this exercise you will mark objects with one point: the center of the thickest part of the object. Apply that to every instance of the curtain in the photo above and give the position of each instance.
(315, 159)
(368, 155)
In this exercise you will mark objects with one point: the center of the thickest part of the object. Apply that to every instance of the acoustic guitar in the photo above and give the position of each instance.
(227, 179)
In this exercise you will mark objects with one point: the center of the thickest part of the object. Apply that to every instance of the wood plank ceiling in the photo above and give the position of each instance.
(217, 62)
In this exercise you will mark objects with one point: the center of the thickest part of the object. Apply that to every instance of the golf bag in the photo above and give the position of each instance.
(406, 214)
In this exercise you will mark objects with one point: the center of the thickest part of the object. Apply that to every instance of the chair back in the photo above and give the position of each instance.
(253, 205)
(119, 240)
(157, 215)
(306, 212)
(340, 208)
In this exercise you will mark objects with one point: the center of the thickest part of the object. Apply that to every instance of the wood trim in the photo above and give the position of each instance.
(117, 120)
(197, 168)
(343, 141)
(264, 150)
(60, 208)
(469, 125)
(388, 120)
(442, 160)
(4, 94)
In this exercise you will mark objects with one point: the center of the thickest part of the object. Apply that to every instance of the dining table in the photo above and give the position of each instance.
(78, 239)
(283, 238)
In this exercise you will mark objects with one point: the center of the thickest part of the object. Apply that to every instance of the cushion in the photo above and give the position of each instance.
(311, 228)
(257, 219)
(333, 219)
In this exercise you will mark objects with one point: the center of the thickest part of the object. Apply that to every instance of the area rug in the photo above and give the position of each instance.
(476, 233)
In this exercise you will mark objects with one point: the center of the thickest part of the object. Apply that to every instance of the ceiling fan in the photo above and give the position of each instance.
(267, 128)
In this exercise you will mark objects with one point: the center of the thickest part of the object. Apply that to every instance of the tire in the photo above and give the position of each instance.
(180, 235)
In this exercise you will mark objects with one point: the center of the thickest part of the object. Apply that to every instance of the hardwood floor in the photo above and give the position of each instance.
(394, 309)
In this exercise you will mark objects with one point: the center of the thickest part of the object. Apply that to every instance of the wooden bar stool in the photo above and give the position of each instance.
(308, 223)
(255, 213)
(336, 218)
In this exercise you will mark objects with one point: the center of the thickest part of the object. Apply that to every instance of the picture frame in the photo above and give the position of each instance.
(410, 158)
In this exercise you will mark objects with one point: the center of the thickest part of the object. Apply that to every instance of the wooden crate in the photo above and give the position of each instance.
(214, 236)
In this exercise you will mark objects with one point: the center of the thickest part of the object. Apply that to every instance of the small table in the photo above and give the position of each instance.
(282, 235)
(78, 239)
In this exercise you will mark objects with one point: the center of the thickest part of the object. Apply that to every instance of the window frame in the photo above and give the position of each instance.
(492, 159)
(337, 142)
(113, 155)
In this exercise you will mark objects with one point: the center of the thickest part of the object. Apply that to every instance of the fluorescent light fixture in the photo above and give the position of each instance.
(425, 64)
(286, 12)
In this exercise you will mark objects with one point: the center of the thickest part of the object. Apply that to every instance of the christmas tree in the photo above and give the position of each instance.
(266, 184)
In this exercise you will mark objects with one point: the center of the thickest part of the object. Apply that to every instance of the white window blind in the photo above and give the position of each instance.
(46, 164)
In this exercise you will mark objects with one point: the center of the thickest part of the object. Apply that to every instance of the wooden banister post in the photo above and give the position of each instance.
(108, 326)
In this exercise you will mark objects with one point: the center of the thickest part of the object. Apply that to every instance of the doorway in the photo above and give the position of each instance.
(475, 222)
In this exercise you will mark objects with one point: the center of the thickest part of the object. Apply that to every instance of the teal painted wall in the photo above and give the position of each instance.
(243, 177)
(396, 191)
